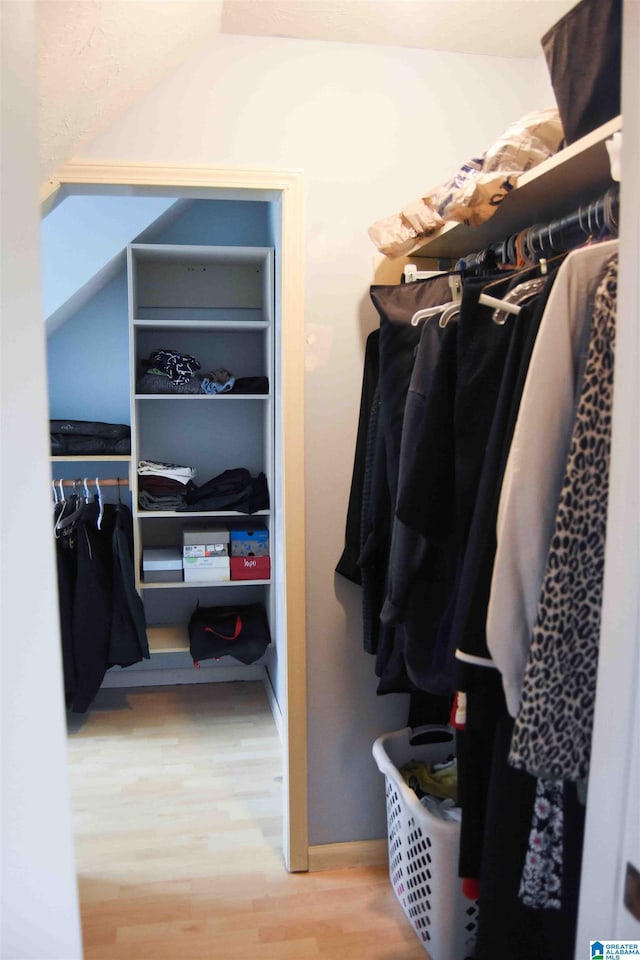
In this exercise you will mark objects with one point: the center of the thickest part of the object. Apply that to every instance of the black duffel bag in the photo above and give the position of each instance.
(241, 632)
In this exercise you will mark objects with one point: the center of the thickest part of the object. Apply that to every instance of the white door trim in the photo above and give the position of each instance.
(237, 183)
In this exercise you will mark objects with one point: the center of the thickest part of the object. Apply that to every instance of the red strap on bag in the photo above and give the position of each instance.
(223, 636)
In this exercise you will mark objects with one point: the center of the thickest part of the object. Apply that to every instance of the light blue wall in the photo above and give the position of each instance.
(227, 222)
(82, 234)
(87, 356)
(87, 360)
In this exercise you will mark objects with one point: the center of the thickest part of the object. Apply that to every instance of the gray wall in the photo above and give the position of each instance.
(39, 895)
(371, 128)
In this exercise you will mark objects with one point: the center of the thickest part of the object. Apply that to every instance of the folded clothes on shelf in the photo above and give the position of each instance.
(90, 437)
(251, 385)
(233, 489)
(168, 501)
(152, 382)
(178, 367)
(173, 471)
(212, 382)
(218, 381)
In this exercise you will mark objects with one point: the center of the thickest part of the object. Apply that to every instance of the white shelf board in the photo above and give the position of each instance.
(168, 638)
(555, 188)
(202, 396)
(188, 514)
(188, 253)
(205, 325)
(200, 585)
(83, 458)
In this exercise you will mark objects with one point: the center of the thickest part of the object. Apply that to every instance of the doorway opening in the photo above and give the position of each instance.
(282, 191)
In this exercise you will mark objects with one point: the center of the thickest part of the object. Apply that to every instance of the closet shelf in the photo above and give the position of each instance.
(203, 396)
(189, 514)
(83, 458)
(181, 585)
(168, 638)
(553, 189)
(205, 325)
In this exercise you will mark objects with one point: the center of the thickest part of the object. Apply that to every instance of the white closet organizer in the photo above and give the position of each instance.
(215, 304)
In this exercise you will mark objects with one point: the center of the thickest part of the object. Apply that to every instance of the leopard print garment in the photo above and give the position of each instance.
(552, 732)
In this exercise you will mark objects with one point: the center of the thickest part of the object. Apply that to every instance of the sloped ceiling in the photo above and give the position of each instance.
(501, 28)
(96, 57)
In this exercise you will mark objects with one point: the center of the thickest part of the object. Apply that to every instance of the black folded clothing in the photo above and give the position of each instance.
(232, 490)
(251, 385)
(91, 437)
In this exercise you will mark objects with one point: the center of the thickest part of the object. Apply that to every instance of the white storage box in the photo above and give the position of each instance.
(206, 569)
(161, 565)
(423, 851)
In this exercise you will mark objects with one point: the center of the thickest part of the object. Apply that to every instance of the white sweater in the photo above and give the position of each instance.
(536, 465)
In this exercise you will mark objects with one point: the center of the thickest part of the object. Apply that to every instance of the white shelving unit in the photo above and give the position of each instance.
(215, 304)
(572, 177)
(79, 458)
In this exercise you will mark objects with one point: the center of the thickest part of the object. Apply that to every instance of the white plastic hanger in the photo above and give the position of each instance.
(100, 503)
(455, 283)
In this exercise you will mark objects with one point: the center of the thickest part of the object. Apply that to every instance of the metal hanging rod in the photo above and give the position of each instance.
(111, 482)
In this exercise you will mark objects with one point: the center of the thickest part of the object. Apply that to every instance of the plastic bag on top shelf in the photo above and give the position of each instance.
(476, 190)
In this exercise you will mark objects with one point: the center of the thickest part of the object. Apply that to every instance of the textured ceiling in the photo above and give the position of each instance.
(96, 57)
(501, 28)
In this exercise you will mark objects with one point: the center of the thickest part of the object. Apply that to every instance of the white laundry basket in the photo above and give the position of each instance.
(423, 850)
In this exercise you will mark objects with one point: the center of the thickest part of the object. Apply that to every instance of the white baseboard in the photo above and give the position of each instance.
(273, 703)
(337, 856)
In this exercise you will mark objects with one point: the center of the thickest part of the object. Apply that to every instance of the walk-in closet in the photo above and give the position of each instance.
(164, 407)
(340, 328)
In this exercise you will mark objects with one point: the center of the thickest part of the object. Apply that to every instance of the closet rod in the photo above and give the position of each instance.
(122, 482)
(583, 225)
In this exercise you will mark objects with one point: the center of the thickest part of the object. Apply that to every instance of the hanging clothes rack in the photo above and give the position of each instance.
(590, 222)
(528, 248)
(585, 224)
(111, 482)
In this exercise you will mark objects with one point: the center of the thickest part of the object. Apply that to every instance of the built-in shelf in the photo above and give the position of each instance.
(216, 305)
(180, 584)
(168, 638)
(202, 396)
(190, 514)
(204, 325)
(83, 458)
(555, 188)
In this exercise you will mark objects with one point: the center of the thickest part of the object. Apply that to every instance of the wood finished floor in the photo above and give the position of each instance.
(177, 809)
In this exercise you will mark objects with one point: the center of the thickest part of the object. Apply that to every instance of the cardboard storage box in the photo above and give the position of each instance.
(161, 565)
(250, 568)
(206, 569)
(249, 541)
(205, 533)
(205, 550)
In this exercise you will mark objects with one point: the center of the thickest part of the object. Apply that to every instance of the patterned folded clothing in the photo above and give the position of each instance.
(179, 367)
(174, 471)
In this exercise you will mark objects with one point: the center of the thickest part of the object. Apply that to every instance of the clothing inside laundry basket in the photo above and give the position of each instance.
(435, 785)
(435, 779)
